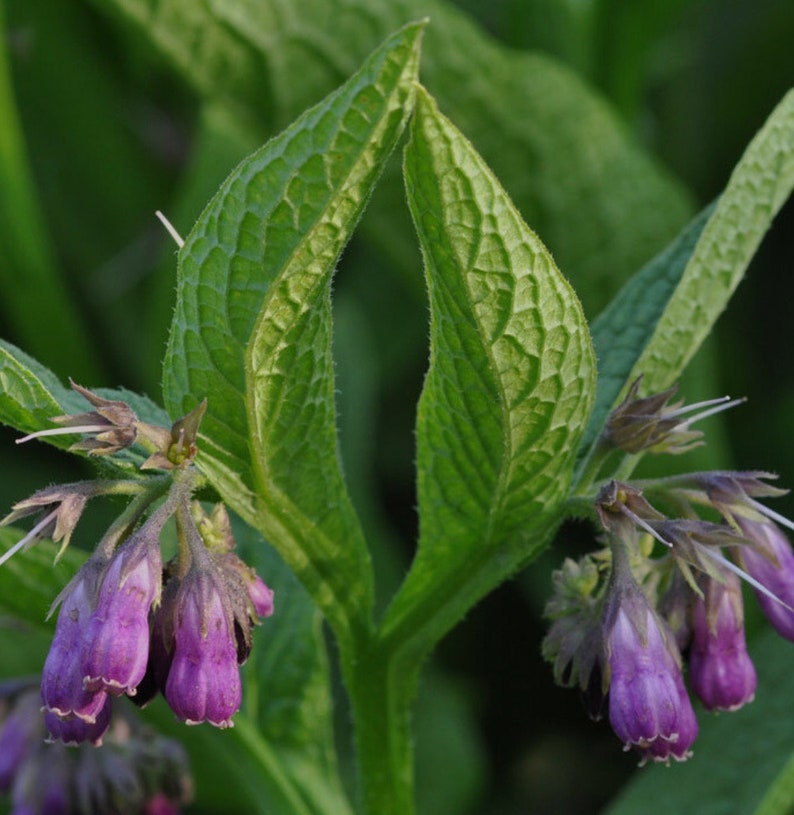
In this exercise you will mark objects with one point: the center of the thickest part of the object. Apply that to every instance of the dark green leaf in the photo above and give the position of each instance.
(626, 325)
(31, 580)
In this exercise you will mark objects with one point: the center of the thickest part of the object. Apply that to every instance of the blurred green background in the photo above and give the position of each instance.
(609, 122)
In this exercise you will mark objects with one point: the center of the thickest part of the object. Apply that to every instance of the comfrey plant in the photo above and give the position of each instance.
(622, 617)
(126, 620)
(528, 415)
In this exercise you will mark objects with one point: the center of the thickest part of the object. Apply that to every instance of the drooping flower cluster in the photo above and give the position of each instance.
(128, 624)
(136, 773)
(665, 590)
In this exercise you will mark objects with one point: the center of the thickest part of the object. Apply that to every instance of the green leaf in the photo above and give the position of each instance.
(252, 328)
(743, 762)
(627, 324)
(760, 184)
(30, 394)
(508, 390)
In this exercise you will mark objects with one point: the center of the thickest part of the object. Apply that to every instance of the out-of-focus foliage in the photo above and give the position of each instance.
(609, 124)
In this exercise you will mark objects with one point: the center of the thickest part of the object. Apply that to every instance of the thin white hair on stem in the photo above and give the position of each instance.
(171, 229)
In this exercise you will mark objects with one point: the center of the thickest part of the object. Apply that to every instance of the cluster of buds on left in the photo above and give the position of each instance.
(664, 593)
(137, 772)
(130, 624)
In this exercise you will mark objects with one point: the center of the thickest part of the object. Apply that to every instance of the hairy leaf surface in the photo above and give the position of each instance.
(509, 387)
(252, 329)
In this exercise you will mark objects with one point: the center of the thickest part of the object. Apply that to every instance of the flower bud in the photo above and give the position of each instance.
(720, 670)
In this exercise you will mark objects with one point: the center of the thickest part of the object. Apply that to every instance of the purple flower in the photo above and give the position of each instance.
(772, 565)
(62, 688)
(74, 730)
(19, 733)
(261, 596)
(117, 635)
(720, 670)
(160, 804)
(649, 708)
(42, 786)
(204, 678)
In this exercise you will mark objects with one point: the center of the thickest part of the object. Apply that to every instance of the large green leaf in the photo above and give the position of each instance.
(252, 328)
(662, 315)
(601, 205)
(508, 390)
(759, 186)
(743, 762)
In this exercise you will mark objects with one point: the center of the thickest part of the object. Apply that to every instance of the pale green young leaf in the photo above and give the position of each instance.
(508, 390)
(759, 186)
(252, 328)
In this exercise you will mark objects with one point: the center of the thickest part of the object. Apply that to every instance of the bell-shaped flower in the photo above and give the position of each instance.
(74, 730)
(203, 683)
(720, 669)
(62, 689)
(117, 634)
(771, 563)
(649, 707)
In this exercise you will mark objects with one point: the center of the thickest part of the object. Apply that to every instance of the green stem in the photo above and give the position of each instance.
(381, 689)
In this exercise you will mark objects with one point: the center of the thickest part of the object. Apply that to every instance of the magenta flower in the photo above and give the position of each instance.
(261, 596)
(772, 565)
(203, 682)
(74, 730)
(720, 669)
(62, 688)
(649, 708)
(117, 635)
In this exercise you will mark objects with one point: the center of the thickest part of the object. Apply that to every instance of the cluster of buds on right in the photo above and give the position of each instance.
(129, 624)
(665, 592)
(138, 772)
